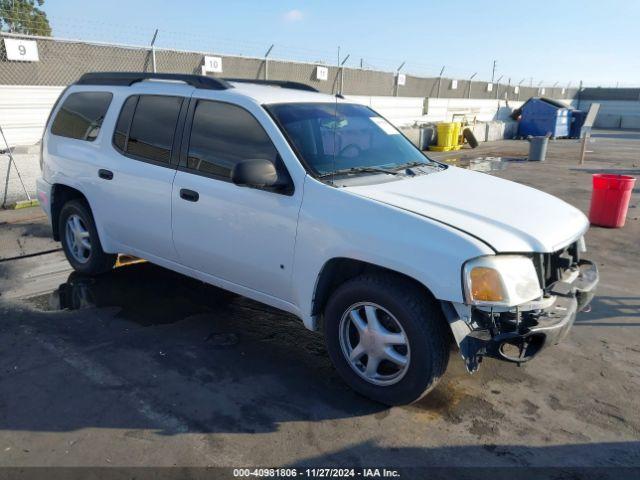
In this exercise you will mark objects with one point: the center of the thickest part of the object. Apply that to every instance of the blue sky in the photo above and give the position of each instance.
(549, 41)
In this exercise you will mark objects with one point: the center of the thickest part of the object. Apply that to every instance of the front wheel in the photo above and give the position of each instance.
(80, 240)
(386, 337)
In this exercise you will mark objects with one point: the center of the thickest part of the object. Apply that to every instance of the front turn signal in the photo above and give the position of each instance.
(486, 285)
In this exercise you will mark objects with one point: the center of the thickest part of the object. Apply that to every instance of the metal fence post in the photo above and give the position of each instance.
(579, 94)
(440, 82)
(342, 73)
(519, 87)
(469, 89)
(397, 86)
(266, 62)
(153, 50)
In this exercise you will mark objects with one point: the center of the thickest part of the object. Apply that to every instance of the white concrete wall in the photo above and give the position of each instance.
(614, 113)
(444, 109)
(401, 111)
(405, 111)
(24, 111)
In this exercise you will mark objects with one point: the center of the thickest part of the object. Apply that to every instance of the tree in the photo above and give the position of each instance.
(24, 16)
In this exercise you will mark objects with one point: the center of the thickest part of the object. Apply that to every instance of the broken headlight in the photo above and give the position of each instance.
(500, 280)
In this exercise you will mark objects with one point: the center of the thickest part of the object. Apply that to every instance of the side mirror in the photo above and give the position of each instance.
(257, 173)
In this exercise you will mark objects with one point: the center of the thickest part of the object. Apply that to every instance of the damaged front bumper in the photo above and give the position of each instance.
(520, 333)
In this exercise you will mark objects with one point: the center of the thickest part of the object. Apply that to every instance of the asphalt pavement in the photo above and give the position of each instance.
(142, 366)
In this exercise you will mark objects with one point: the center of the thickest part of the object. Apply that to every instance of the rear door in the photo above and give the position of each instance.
(241, 235)
(136, 179)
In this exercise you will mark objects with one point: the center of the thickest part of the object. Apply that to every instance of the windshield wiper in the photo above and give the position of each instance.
(359, 170)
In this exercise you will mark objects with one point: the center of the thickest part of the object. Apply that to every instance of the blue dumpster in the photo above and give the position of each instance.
(577, 121)
(540, 117)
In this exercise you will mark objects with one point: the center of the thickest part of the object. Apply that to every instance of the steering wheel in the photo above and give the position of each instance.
(351, 145)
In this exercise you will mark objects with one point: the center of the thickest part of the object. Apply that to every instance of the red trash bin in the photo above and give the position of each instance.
(610, 199)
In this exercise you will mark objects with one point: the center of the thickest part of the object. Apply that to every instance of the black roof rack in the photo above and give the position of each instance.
(129, 78)
(275, 83)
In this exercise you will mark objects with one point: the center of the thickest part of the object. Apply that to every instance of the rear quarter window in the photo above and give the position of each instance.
(81, 115)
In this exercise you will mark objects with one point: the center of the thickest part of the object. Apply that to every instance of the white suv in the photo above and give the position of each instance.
(320, 207)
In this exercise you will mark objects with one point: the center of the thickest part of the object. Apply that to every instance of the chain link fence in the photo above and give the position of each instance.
(62, 62)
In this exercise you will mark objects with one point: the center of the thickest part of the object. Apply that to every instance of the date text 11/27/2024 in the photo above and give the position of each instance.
(316, 472)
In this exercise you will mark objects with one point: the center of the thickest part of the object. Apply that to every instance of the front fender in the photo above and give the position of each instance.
(335, 223)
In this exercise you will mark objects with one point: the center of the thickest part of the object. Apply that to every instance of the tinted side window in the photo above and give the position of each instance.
(124, 120)
(81, 115)
(153, 126)
(222, 135)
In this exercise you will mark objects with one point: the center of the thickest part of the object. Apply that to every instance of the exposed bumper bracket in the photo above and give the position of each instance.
(520, 345)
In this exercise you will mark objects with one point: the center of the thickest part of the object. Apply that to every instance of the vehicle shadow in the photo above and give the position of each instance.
(142, 347)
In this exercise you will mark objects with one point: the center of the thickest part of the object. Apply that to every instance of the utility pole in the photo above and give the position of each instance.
(266, 62)
(493, 71)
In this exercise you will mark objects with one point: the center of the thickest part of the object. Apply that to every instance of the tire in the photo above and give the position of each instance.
(470, 138)
(94, 260)
(420, 321)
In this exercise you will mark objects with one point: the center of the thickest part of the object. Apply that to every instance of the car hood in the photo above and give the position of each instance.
(508, 216)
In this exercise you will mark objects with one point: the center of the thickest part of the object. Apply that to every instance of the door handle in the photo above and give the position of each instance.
(106, 174)
(189, 195)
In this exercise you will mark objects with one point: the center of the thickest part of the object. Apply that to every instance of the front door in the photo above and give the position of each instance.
(241, 235)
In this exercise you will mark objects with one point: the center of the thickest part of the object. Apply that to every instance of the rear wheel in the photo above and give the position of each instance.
(386, 337)
(80, 240)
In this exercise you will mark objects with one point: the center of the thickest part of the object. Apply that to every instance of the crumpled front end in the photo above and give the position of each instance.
(519, 333)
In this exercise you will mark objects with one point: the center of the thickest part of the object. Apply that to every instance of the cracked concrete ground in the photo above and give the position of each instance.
(142, 366)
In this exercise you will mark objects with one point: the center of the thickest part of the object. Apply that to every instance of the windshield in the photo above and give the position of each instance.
(334, 137)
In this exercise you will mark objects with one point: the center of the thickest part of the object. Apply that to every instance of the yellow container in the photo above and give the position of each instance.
(457, 126)
(448, 134)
